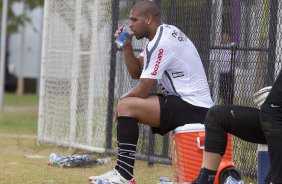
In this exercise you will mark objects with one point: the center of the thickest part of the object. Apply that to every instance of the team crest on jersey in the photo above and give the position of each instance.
(159, 59)
(177, 74)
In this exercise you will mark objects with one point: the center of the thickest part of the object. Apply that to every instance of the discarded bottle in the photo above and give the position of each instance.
(74, 161)
(164, 180)
(231, 180)
(102, 161)
(54, 158)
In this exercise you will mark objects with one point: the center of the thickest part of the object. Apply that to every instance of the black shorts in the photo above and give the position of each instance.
(176, 112)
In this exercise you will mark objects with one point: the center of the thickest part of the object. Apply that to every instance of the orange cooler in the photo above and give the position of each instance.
(187, 152)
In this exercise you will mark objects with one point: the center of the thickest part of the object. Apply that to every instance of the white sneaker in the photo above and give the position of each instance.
(104, 176)
(111, 177)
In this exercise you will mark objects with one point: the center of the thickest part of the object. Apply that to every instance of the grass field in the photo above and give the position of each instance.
(22, 161)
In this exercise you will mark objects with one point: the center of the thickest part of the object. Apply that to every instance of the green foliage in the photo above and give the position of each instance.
(183, 5)
(17, 20)
(124, 11)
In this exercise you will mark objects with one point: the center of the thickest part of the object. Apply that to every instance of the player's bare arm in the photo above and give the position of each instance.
(133, 64)
(141, 90)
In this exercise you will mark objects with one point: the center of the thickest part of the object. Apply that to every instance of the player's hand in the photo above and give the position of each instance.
(119, 30)
(260, 96)
(129, 40)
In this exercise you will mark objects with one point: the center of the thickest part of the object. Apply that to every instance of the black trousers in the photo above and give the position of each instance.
(271, 120)
(250, 124)
(241, 121)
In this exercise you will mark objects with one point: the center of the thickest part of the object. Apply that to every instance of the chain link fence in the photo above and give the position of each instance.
(239, 43)
(83, 74)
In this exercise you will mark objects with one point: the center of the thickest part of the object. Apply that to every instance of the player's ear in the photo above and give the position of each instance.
(149, 19)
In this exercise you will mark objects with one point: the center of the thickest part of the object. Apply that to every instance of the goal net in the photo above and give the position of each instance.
(75, 73)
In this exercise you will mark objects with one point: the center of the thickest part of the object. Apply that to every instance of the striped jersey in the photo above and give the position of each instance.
(172, 59)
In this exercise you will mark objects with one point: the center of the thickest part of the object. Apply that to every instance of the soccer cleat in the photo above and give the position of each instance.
(111, 177)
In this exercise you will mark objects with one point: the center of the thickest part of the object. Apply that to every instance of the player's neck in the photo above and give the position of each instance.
(153, 31)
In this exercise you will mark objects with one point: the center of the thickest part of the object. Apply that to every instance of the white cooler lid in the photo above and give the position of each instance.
(192, 127)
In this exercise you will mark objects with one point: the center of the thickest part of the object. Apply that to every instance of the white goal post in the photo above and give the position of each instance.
(75, 73)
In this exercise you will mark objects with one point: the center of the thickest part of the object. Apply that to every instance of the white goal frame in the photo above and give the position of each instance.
(80, 56)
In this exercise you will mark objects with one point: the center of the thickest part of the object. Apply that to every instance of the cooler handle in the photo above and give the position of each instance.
(199, 144)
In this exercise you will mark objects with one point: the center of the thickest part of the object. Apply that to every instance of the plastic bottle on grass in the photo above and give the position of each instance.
(231, 180)
(54, 158)
(102, 161)
(164, 180)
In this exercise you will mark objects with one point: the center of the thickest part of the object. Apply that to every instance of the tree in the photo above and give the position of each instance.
(15, 21)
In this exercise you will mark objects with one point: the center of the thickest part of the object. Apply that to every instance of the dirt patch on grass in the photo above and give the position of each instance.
(20, 108)
(15, 136)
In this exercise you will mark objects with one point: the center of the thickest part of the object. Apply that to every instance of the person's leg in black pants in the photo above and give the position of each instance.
(240, 121)
(271, 120)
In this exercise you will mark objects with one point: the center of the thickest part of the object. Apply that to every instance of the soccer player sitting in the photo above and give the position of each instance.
(170, 59)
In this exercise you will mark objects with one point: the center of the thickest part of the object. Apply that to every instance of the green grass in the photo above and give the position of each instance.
(20, 114)
(19, 123)
(18, 130)
(12, 99)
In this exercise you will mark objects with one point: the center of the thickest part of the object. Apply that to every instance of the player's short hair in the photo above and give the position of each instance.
(147, 7)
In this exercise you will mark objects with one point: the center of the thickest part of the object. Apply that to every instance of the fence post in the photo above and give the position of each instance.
(207, 35)
(151, 148)
(165, 145)
(3, 50)
(232, 71)
(272, 41)
(112, 73)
